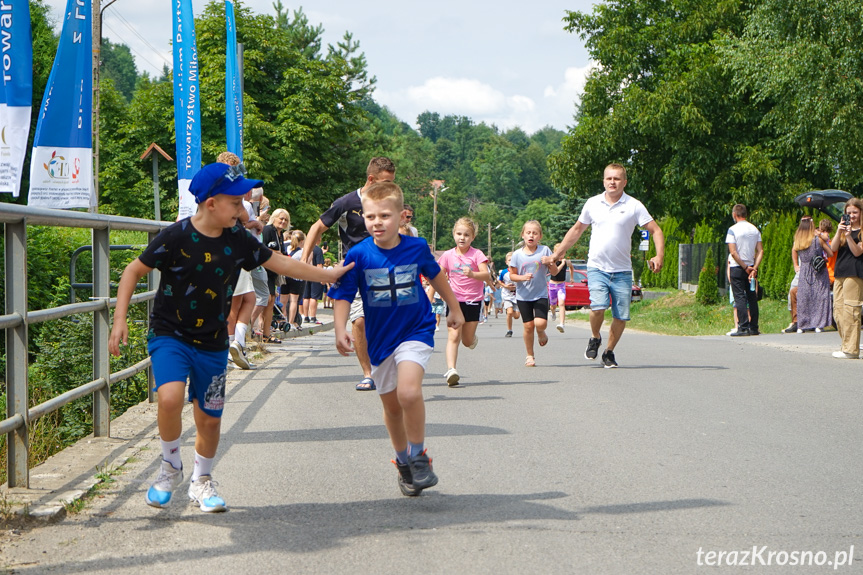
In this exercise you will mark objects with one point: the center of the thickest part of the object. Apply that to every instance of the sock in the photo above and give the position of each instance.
(171, 453)
(402, 456)
(231, 339)
(414, 449)
(240, 333)
(203, 466)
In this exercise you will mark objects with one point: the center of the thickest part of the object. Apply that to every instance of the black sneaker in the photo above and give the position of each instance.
(740, 333)
(592, 347)
(791, 328)
(421, 472)
(406, 479)
(608, 359)
(508, 334)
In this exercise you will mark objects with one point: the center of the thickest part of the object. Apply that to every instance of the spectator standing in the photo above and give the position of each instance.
(848, 284)
(813, 287)
(744, 245)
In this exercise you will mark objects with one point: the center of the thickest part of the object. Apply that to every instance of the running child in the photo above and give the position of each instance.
(531, 277)
(467, 270)
(507, 294)
(398, 322)
(200, 258)
(557, 290)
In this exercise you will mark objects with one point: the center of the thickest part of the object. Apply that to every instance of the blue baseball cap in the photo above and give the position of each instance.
(215, 179)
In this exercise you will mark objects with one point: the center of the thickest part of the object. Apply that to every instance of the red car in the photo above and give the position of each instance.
(576, 290)
(577, 294)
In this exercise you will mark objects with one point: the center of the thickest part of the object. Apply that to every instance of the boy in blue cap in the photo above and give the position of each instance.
(200, 259)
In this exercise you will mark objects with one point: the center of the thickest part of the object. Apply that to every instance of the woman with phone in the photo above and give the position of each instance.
(848, 285)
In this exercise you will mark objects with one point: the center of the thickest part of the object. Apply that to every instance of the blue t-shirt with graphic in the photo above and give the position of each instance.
(395, 305)
(526, 263)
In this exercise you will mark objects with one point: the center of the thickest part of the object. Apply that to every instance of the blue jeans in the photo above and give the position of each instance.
(610, 290)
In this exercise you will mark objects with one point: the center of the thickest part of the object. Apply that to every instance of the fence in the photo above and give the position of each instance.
(691, 261)
(17, 318)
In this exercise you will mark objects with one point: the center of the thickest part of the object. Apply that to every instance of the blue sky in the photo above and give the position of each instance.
(508, 63)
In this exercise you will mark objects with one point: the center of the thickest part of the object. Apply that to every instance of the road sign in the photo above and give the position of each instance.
(645, 235)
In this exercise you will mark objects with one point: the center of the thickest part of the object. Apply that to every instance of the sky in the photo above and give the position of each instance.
(508, 63)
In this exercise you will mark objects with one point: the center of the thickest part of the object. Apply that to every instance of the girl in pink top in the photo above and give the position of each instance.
(467, 270)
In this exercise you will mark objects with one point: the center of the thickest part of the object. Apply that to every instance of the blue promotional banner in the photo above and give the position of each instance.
(187, 107)
(61, 168)
(16, 97)
(233, 87)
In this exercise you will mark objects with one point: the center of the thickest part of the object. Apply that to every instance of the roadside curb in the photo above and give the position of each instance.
(69, 475)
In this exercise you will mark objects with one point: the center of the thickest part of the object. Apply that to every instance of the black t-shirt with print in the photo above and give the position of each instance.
(354, 230)
(199, 274)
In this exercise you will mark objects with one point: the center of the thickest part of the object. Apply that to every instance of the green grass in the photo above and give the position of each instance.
(679, 314)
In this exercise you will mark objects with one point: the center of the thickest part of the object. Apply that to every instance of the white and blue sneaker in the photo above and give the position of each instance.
(160, 492)
(203, 492)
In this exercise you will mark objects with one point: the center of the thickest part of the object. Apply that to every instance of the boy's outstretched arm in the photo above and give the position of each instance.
(133, 273)
(288, 266)
(455, 319)
(344, 340)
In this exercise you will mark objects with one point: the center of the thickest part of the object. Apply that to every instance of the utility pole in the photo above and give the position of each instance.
(435, 192)
(97, 60)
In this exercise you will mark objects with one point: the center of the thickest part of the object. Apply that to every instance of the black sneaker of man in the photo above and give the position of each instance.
(791, 328)
(740, 333)
(406, 479)
(592, 347)
(422, 475)
(608, 359)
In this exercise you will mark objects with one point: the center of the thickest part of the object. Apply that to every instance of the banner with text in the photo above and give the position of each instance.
(61, 167)
(16, 97)
(233, 86)
(187, 109)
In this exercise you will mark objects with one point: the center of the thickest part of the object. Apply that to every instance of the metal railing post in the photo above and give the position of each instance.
(153, 280)
(17, 442)
(101, 331)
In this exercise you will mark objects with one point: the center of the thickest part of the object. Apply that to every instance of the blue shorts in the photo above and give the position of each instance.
(610, 290)
(176, 360)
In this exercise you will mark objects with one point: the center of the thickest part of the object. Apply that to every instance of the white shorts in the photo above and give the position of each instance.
(386, 374)
(356, 308)
(509, 305)
(244, 284)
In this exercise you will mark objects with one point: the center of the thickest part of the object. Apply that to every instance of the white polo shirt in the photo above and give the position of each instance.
(745, 237)
(611, 231)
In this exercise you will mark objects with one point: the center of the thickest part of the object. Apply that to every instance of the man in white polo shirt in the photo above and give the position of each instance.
(744, 246)
(613, 216)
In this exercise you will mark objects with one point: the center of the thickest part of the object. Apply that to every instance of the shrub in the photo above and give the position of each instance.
(708, 291)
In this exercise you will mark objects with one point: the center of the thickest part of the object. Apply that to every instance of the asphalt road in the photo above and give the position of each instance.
(693, 446)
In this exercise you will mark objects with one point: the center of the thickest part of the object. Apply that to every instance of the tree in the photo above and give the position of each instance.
(118, 65)
(812, 83)
(662, 102)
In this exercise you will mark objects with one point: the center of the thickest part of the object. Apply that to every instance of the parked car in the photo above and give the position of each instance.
(576, 290)
(577, 294)
(830, 202)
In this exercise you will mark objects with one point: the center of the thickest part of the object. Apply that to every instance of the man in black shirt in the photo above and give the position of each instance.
(352, 230)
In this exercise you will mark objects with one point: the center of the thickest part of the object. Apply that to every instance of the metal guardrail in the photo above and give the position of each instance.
(17, 318)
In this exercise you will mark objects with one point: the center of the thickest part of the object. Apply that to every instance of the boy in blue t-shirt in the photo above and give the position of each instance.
(200, 259)
(399, 324)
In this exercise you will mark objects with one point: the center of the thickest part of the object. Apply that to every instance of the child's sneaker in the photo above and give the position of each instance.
(238, 355)
(406, 479)
(474, 342)
(560, 327)
(451, 377)
(508, 333)
(203, 492)
(421, 471)
(168, 479)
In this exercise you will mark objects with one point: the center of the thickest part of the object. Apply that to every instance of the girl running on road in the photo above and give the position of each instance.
(531, 292)
(467, 270)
